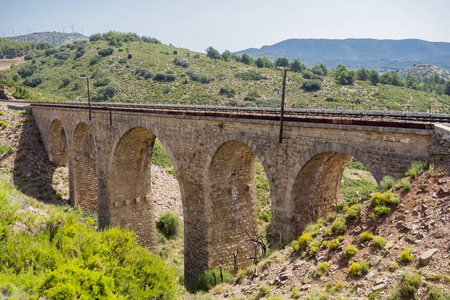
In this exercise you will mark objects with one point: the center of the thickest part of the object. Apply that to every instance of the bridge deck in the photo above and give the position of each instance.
(349, 117)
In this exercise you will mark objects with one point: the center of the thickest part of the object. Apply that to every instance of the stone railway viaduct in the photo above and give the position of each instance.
(109, 171)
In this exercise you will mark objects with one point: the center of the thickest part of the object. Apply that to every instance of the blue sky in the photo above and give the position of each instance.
(233, 24)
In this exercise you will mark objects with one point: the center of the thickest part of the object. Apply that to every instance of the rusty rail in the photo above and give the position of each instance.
(349, 117)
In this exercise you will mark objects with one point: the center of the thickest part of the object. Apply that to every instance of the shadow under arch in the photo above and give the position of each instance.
(58, 150)
(230, 199)
(315, 183)
(129, 198)
(32, 170)
(84, 168)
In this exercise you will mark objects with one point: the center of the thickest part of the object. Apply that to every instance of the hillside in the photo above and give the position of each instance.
(55, 38)
(382, 55)
(424, 71)
(144, 71)
(362, 251)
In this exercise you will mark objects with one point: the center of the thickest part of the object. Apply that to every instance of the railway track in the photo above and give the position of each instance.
(417, 120)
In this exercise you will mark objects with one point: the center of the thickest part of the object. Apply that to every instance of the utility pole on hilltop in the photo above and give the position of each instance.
(283, 92)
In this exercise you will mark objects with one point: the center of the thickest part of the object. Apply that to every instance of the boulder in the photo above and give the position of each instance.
(426, 256)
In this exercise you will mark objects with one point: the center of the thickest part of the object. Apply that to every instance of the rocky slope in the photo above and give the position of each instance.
(420, 222)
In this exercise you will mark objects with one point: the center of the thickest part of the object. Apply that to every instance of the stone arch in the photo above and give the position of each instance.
(230, 199)
(134, 123)
(314, 185)
(130, 201)
(57, 143)
(84, 167)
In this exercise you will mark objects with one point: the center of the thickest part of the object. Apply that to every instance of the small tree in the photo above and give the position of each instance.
(169, 224)
(344, 76)
(282, 62)
(297, 66)
(212, 53)
(226, 55)
(247, 59)
(447, 88)
(263, 62)
(374, 77)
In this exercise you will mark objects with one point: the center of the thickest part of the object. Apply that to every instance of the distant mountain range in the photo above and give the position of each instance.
(55, 38)
(382, 55)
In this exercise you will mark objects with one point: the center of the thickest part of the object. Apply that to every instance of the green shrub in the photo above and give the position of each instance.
(144, 72)
(339, 225)
(194, 76)
(354, 269)
(69, 281)
(364, 267)
(333, 244)
(417, 168)
(313, 229)
(311, 85)
(240, 274)
(265, 215)
(264, 290)
(377, 199)
(34, 80)
(318, 295)
(354, 211)
(105, 52)
(382, 210)
(314, 248)
(322, 268)
(436, 294)
(295, 293)
(179, 61)
(379, 241)
(250, 75)
(107, 92)
(366, 236)
(409, 284)
(304, 241)
(160, 76)
(393, 266)
(295, 245)
(95, 59)
(338, 286)
(229, 92)
(396, 201)
(6, 150)
(206, 280)
(330, 217)
(406, 185)
(433, 277)
(159, 155)
(350, 251)
(169, 224)
(388, 196)
(405, 255)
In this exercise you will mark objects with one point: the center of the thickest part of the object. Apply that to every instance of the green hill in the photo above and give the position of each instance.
(55, 38)
(424, 71)
(128, 68)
